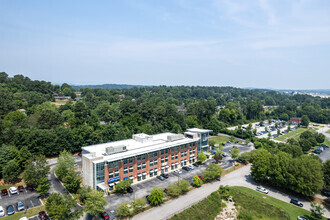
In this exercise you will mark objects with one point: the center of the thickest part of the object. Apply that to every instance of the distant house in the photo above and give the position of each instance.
(221, 107)
(78, 99)
(296, 120)
(59, 98)
(77, 93)
(55, 94)
(122, 96)
(22, 110)
(181, 109)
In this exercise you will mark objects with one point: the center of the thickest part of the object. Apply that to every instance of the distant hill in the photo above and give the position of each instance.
(107, 86)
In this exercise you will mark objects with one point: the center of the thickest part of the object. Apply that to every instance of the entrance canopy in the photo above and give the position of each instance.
(102, 186)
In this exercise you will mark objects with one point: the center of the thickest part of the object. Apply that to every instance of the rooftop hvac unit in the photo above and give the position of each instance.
(174, 137)
(115, 149)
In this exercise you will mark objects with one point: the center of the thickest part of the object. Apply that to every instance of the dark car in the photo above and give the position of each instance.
(325, 192)
(29, 187)
(10, 210)
(165, 175)
(196, 165)
(20, 188)
(43, 216)
(296, 202)
(147, 198)
(317, 151)
(105, 215)
(186, 168)
(130, 189)
(4, 192)
(160, 178)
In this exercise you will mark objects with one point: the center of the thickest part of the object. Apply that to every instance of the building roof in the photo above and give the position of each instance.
(198, 130)
(139, 144)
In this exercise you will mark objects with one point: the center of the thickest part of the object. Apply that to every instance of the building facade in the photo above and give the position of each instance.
(140, 158)
(295, 120)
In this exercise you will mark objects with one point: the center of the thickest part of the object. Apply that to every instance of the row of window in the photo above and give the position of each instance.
(126, 161)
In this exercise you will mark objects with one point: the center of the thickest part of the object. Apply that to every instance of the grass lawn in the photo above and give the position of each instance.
(260, 206)
(29, 213)
(291, 134)
(220, 139)
(328, 131)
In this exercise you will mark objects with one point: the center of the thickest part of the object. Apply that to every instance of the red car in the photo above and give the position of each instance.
(200, 177)
(29, 187)
(4, 192)
(20, 188)
(79, 154)
(43, 216)
(105, 215)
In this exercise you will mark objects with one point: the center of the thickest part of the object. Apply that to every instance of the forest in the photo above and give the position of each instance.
(30, 120)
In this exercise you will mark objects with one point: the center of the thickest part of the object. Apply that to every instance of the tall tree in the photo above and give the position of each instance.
(65, 165)
(11, 171)
(60, 207)
(95, 202)
(36, 170)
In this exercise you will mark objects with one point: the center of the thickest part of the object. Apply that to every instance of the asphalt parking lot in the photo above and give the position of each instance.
(30, 200)
(325, 155)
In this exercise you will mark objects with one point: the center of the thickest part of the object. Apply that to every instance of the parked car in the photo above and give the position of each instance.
(165, 175)
(200, 177)
(20, 188)
(261, 189)
(196, 165)
(325, 192)
(29, 187)
(2, 212)
(130, 189)
(13, 190)
(186, 168)
(79, 154)
(43, 216)
(147, 198)
(4, 192)
(160, 178)
(296, 202)
(10, 210)
(20, 206)
(24, 218)
(317, 151)
(177, 171)
(191, 166)
(302, 218)
(105, 215)
(224, 154)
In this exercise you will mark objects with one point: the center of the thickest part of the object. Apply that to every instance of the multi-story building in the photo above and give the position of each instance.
(140, 158)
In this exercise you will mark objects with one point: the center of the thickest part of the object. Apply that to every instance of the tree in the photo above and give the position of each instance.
(261, 163)
(173, 190)
(11, 171)
(255, 131)
(123, 210)
(122, 186)
(36, 169)
(269, 135)
(232, 138)
(305, 120)
(95, 202)
(217, 156)
(197, 181)
(65, 165)
(60, 207)
(246, 156)
(212, 142)
(72, 182)
(235, 152)
(156, 196)
(326, 171)
(278, 132)
(138, 205)
(317, 210)
(266, 128)
(43, 187)
(212, 172)
(319, 137)
(288, 129)
(201, 156)
(83, 193)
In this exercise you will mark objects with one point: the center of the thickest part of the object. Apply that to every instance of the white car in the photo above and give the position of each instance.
(24, 218)
(2, 213)
(261, 189)
(191, 167)
(178, 171)
(13, 190)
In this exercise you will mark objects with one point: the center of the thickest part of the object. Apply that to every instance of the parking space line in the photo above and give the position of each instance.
(32, 203)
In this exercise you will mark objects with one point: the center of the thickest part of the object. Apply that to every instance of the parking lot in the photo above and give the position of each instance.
(29, 198)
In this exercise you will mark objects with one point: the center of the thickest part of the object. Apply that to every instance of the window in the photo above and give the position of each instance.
(155, 171)
(181, 154)
(111, 175)
(143, 165)
(130, 160)
(116, 173)
(185, 147)
(138, 158)
(125, 170)
(166, 159)
(131, 169)
(194, 151)
(110, 165)
(151, 163)
(172, 149)
(151, 155)
(144, 176)
(155, 162)
(181, 163)
(166, 151)
(155, 154)
(139, 166)
(172, 157)
(162, 152)
(151, 173)
(176, 156)
(176, 149)
(185, 163)
(143, 156)
(190, 152)
(139, 177)
(116, 163)
(172, 166)
(125, 161)
(185, 153)
(182, 147)
(162, 160)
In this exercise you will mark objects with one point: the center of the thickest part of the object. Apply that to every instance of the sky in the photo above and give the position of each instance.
(282, 44)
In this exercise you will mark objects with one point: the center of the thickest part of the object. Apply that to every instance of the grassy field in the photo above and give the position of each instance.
(29, 213)
(207, 209)
(328, 131)
(291, 134)
(220, 139)
(255, 205)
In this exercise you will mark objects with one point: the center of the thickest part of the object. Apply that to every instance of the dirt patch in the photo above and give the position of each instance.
(228, 213)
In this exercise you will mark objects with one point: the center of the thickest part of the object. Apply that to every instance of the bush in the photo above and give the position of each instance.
(122, 186)
(211, 172)
(197, 181)
(156, 196)
(123, 210)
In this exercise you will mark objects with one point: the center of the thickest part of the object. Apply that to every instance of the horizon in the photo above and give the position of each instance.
(259, 44)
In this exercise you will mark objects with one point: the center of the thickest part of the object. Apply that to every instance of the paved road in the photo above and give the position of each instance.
(240, 177)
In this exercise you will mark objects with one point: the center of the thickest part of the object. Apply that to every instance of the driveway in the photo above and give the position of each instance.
(240, 177)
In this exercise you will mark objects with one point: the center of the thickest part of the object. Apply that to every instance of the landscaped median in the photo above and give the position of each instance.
(29, 213)
(249, 203)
